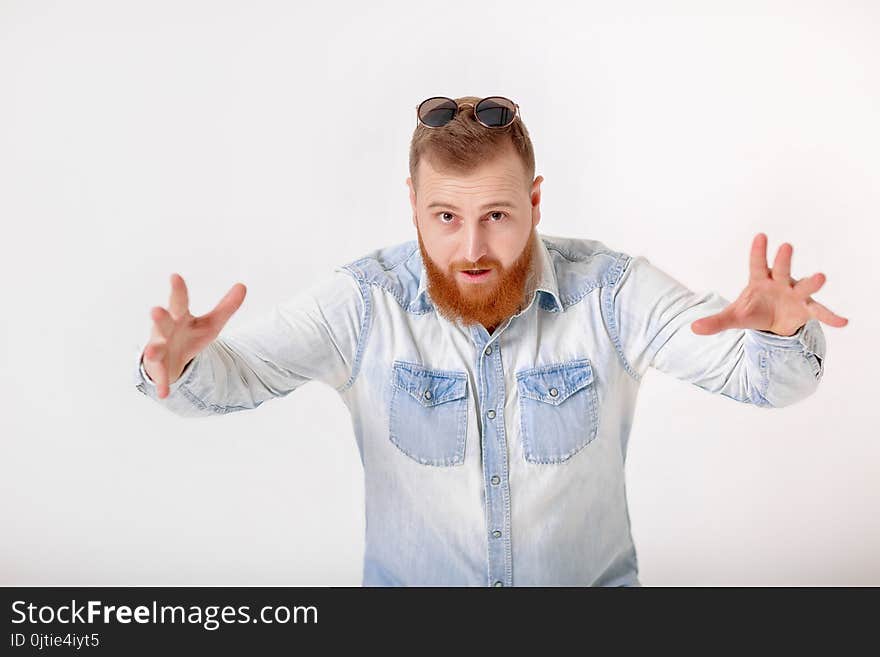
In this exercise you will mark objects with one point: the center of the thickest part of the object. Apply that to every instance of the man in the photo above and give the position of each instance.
(492, 372)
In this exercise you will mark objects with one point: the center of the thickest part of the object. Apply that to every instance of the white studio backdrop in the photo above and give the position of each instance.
(265, 143)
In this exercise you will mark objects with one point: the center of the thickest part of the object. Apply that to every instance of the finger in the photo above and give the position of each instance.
(178, 304)
(231, 302)
(163, 321)
(807, 286)
(162, 380)
(782, 263)
(758, 258)
(155, 333)
(155, 352)
(823, 314)
(714, 323)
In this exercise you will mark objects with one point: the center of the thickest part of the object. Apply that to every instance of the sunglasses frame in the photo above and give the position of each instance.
(461, 106)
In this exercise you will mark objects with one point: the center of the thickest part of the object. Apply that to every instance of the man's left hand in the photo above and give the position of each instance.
(773, 301)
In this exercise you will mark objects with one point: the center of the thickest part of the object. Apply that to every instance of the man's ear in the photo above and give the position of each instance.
(412, 199)
(535, 197)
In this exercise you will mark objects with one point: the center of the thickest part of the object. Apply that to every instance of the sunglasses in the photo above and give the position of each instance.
(491, 112)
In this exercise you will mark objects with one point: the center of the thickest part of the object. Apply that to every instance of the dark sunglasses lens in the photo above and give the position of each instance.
(495, 111)
(437, 111)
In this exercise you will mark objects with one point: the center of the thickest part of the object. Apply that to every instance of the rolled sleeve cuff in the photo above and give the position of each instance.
(806, 337)
(145, 383)
(809, 340)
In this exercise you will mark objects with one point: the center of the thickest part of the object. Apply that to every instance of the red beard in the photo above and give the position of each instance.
(488, 303)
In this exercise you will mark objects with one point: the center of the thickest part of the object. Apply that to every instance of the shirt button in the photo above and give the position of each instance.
(488, 351)
(499, 583)
(496, 534)
(496, 479)
(491, 414)
(553, 392)
(427, 394)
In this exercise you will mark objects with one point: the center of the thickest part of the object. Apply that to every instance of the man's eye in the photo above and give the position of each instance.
(443, 220)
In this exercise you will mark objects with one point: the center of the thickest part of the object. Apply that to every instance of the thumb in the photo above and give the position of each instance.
(712, 324)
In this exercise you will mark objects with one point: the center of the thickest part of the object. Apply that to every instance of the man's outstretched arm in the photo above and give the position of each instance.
(654, 320)
(314, 335)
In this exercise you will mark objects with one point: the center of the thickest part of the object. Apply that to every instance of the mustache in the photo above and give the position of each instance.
(479, 265)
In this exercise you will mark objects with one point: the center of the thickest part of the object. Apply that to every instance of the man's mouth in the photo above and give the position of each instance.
(475, 274)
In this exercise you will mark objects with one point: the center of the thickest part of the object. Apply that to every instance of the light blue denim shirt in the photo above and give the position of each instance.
(495, 460)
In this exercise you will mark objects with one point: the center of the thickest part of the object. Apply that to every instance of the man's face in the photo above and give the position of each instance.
(482, 220)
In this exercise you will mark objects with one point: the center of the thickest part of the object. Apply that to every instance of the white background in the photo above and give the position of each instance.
(264, 143)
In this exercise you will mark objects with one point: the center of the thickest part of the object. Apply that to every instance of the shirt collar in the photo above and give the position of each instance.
(542, 278)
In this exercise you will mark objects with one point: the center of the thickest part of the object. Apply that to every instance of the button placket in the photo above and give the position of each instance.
(491, 398)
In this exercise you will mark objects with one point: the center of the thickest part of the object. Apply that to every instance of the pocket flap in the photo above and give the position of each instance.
(429, 387)
(553, 384)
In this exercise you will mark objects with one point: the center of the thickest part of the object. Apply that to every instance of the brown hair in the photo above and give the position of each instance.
(463, 143)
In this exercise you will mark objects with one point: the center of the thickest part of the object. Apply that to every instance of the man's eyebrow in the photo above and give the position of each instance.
(494, 204)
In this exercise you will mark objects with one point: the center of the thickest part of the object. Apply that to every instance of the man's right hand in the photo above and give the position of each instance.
(177, 337)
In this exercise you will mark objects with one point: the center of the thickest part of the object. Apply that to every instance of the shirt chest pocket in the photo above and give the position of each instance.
(559, 412)
(428, 413)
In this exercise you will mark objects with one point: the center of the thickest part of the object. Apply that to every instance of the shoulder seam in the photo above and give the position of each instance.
(608, 312)
(610, 278)
(363, 333)
(359, 275)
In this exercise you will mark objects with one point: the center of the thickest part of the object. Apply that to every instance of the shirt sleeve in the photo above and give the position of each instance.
(317, 334)
(650, 315)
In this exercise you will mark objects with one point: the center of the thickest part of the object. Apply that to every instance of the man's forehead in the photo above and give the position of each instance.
(475, 183)
(471, 186)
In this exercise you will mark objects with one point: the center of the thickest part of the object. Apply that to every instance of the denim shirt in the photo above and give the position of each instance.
(494, 460)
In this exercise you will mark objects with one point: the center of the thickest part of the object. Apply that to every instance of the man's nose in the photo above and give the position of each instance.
(475, 242)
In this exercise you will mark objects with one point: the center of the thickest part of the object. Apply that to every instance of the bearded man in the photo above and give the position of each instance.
(492, 371)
